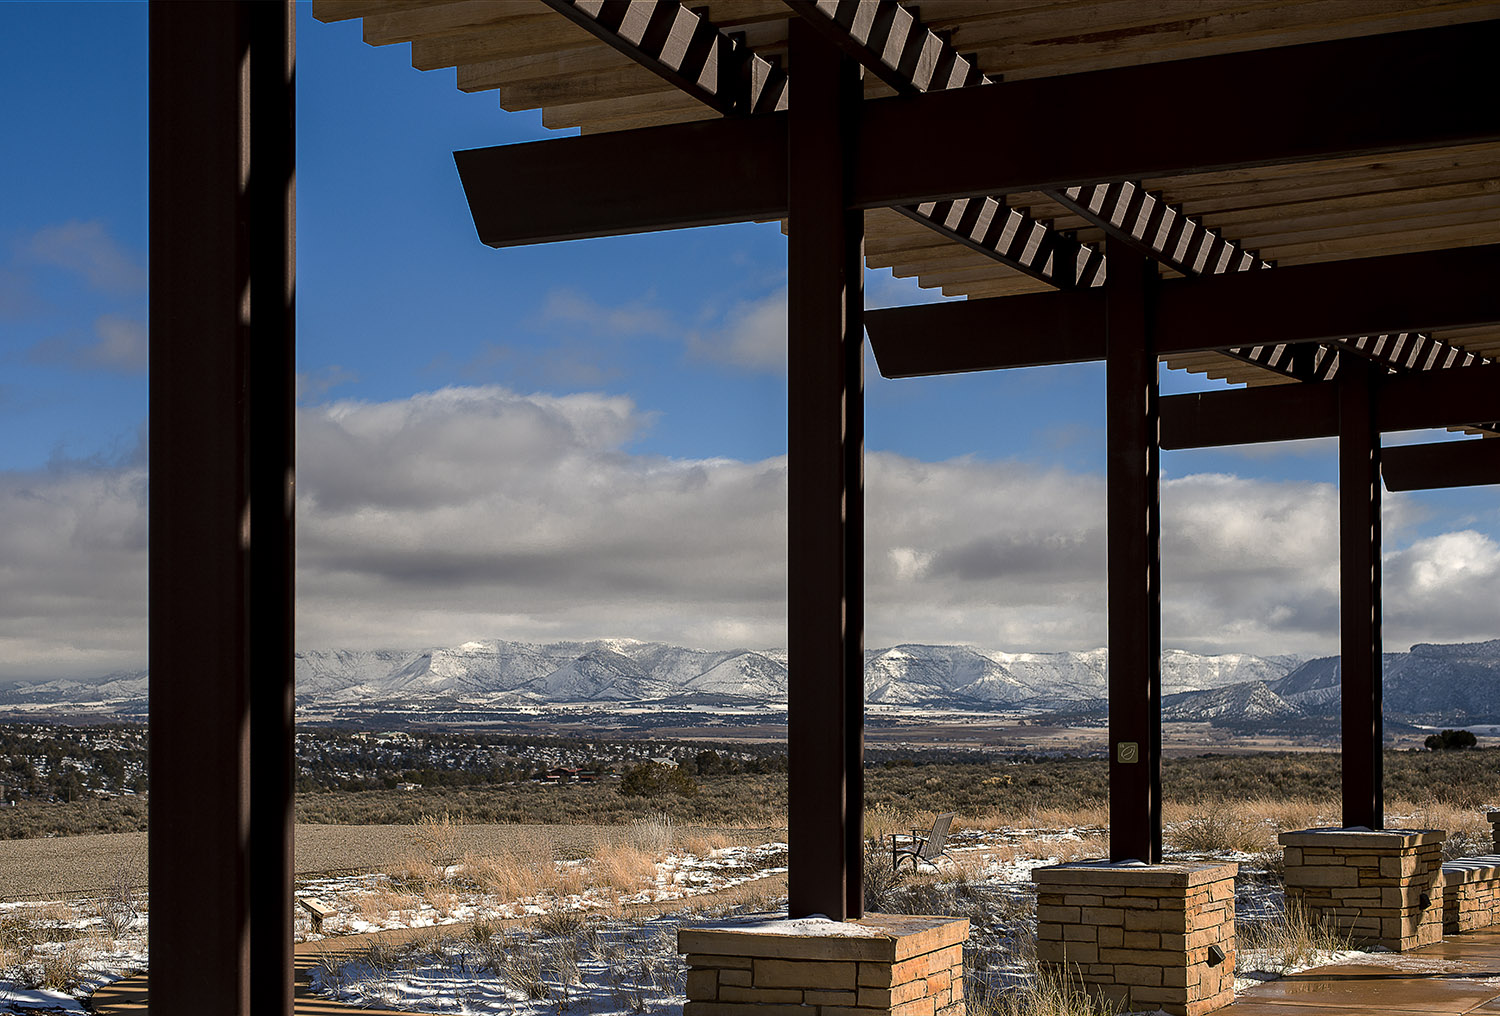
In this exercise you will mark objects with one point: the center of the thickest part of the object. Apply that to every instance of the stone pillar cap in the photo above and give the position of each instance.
(1361, 836)
(1135, 873)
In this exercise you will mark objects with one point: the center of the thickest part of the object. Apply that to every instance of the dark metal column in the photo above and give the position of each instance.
(824, 488)
(220, 600)
(272, 207)
(1134, 562)
(1359, 595)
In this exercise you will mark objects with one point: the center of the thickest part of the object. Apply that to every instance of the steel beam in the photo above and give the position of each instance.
(1359, 598)
(703, 173)
(1457, 397)
(1134, 564)
(1316, 101)
(221, 398)
(1304, 303)
(825, 694)
(1441, 464)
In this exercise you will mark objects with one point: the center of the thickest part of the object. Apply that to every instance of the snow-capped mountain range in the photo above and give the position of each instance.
(1461, 680)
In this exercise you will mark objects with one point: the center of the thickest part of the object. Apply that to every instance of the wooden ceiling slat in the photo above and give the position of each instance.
(1394, 164)
(1355, 204)
(391, 27)
(1285, 227)
(1466, 234)
(534, 36)
(328, 11)
(1213, 34)
(604, 114)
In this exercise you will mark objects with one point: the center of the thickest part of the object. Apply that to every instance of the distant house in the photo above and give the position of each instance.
(408, 786)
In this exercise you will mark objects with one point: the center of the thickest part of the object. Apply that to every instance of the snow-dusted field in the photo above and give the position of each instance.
(580, 936)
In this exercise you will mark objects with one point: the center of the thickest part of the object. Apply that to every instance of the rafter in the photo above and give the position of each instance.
(891, 41)
(1281, 310)
(714, 67)
(1415, 401)
(685, 49)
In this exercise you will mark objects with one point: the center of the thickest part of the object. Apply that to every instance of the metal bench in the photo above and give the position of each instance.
(922, 848)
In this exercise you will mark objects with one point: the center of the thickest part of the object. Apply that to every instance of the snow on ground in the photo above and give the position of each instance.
(53, 954)
(571, 944)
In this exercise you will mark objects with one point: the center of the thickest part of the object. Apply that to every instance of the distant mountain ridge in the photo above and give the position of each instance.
(1461, 682)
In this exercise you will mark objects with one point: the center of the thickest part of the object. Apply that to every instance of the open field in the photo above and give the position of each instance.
(74, 865)
(1013, 788)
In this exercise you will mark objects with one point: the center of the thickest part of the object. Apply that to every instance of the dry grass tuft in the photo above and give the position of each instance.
(622, 866)
(1291, 940)
(704, 843)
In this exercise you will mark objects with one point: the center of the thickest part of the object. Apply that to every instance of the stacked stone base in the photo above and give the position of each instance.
(1382, 887)
(881, 964)
(1149, 936)
(1471, 893)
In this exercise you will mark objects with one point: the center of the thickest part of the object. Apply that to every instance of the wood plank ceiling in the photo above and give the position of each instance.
(536, 58)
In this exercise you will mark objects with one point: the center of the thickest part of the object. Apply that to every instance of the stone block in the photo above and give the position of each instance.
(774, 973)
(702, 985)
(758, 995)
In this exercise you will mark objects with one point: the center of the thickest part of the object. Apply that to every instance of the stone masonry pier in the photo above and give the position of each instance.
(1152, 936)
(1382, 887)
(880, 964)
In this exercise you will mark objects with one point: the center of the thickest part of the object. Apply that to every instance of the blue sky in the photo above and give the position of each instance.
(632, 371)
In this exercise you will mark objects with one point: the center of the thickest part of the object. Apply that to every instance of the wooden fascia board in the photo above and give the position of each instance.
(1317, 101)
(1426, 291)
(1473, 463)
(1437, 398)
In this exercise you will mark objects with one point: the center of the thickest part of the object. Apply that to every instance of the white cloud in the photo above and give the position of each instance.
(118, 344)
(751, 334)
(477, 512)
(87, 249)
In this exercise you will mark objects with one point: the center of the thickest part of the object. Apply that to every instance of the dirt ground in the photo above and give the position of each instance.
(80, 865)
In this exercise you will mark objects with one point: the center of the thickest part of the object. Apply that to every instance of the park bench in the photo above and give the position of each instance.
(317, 909)
(922, 848)
(1471, 893)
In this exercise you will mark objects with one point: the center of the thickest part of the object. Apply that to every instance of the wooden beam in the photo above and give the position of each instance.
(1360, 661)
(1441, 464)
(1462, 396)
(1305, 303)
(1316, 101)
(825, 448)
(685, 49)
(1134, 564)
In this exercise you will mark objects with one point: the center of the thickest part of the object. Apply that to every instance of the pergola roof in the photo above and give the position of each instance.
(565, 58)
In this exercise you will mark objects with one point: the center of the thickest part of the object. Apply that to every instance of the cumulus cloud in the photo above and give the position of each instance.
(479, 512)
(87, 249)
(118, 344)
(751, 335)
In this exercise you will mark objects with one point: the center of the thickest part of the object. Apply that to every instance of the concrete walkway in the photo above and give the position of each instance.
(1453, 978)
(1456, 976)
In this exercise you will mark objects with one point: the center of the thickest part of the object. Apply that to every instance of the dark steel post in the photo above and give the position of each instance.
(272, 207)
(220, 600)
(824, 487)
(1359, 595)
(1134, 562)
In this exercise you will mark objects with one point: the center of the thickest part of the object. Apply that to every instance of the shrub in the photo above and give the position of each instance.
(652, 780)
(1451, 740)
